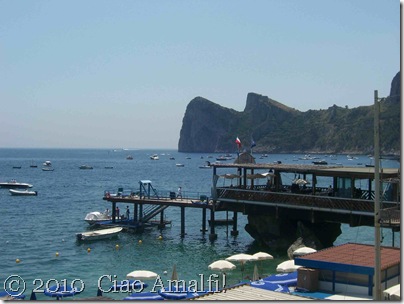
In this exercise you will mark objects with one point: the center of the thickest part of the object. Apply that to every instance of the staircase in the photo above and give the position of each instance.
(150, 212)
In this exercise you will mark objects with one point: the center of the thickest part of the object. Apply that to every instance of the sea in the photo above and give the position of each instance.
(38, 233)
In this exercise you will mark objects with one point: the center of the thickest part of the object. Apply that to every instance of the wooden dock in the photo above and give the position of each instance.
(303, 200)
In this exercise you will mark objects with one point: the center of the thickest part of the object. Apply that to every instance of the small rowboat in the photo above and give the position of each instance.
(98, 234)
(22, 192)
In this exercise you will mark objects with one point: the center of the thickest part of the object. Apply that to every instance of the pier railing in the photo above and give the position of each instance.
(161, 194)
(299, 201)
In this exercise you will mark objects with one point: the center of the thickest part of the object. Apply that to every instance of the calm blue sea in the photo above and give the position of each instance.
(34, 229)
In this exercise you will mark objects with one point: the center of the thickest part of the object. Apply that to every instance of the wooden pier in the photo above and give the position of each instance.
(302, 199)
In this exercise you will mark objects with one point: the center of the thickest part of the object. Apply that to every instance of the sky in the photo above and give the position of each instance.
(120, 74)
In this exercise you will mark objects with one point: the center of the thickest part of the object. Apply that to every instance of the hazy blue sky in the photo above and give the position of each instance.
(121, 73)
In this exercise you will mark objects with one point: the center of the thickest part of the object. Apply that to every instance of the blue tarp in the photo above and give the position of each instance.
(269, 286)
(60, 291)
(11, 294)
(144, 296)
(287, 279)
(180, 293)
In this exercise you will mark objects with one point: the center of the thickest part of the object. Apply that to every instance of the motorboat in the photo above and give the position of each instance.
(22, 192)
(98, 234)
(179, 165)
(47, 169)
(96, 217)
(320, 162)
(13, 184)
(207, 166)
(47, 163)
(130, 157)
(84, 167)
(154, 157)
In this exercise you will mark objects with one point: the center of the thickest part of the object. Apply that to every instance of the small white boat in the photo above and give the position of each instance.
(96, 217)
(13, 184)
(207, 166)
(47, 169)
(179, 165)
(98, 234)
(154, 157)
(22, 192)
(47, 163)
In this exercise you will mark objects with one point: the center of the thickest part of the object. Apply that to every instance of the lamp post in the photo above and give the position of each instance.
(377, 293)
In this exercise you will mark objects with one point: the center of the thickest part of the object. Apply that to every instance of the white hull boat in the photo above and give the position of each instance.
(13, 184)
(98, 234)
(96, 217)
(25, 192)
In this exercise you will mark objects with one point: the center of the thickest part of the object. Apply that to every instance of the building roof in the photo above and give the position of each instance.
(249, 293)
(350, 257)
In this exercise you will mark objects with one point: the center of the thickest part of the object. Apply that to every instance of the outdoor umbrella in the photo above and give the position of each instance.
(261, 256)
(174, 276)
(222, 266)
(287, 266)
(256, 276)
(393, 293)
(303, 250)
(242, 258)
(142, 275)
(301, 181)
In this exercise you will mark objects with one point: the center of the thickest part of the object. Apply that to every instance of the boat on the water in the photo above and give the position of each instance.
(25, 192)
(130, 157)
(96, 217)
(98, 234)
(154, 157)
(47, 169)
(13, 184)
(179, 165)
(320, 162)
(207, 166)
(47, 163)
(84, 167)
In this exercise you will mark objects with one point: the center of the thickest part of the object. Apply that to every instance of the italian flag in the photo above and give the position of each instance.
(238, 142)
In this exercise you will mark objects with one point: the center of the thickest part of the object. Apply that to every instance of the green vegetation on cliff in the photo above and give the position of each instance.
(209, 127)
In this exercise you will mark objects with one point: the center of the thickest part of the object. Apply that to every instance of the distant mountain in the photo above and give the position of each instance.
(209, 127)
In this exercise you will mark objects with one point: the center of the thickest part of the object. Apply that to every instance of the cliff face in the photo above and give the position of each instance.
(209, 127)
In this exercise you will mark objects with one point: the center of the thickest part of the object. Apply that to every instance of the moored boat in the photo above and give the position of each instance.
(98, 234)
(84, 167)
(96, 217)
(13, 184)
(154, 157)
(47, 169)
(320, 162)
(25, 192)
